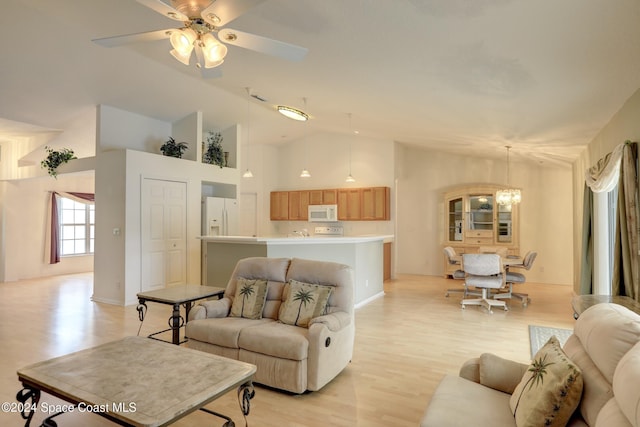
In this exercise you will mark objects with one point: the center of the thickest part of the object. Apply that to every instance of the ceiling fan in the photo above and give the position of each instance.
(202, 20)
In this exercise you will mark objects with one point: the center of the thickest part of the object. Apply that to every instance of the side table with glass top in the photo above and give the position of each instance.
(176, 296)
(580, 303)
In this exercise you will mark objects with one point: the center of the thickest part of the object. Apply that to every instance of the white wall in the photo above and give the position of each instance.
(326, 156)
(120, 129)
(119, 173)
(545, 219)
(25, 205)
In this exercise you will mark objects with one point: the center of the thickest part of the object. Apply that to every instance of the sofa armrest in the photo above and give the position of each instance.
(470, 370)
(211, 308)
(334, 321)
(494, 372)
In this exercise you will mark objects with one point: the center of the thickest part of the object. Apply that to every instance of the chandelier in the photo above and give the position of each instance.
(508, 196)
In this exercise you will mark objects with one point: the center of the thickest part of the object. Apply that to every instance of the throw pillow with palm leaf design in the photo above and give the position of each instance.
(249, 298)
(549, 391)
(302, 302)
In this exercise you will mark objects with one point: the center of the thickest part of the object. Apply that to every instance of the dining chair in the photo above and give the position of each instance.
(450, 253)
(515, 278)
(484, 272)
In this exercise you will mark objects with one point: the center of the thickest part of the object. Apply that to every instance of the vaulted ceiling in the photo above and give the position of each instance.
(466, 76)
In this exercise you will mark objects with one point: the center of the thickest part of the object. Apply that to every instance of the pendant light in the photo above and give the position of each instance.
(305, 172)
(350, 177)
(508, 196)
(247, 173)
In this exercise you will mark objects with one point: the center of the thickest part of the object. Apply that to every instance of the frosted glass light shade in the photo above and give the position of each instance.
(509, 196)
(214, 52)
(293, 113)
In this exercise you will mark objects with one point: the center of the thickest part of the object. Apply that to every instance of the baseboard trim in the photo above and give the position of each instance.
(368, 300)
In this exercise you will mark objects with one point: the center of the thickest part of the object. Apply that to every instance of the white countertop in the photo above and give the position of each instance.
(311, 240)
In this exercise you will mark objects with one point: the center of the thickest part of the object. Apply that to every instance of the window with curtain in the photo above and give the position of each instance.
(70, 225)
(77, 227)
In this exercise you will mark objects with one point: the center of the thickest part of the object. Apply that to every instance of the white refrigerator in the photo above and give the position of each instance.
(220, 217)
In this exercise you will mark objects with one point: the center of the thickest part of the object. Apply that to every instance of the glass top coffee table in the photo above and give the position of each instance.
(135, 381)
(176, 296)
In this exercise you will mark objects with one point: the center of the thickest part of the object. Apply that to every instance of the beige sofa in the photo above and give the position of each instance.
(605, 346)
(288, 357)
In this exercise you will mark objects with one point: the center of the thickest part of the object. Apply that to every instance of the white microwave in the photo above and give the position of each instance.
(323, 213)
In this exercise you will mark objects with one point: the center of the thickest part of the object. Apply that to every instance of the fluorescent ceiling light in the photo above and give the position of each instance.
(293, 113)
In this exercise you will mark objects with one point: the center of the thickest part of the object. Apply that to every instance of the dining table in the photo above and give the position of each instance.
(508, 261)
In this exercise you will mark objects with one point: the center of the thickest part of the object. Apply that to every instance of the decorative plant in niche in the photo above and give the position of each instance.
(55, 158)
(214, 154)
(171, 148)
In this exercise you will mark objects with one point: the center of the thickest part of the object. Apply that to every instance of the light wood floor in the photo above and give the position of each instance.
(405, 343)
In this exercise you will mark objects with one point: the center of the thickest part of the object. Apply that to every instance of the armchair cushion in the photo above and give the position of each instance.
(303, 302)
(550, 390)
(249, 298)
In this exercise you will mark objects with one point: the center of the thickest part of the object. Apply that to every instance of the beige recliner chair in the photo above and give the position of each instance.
(288, 357)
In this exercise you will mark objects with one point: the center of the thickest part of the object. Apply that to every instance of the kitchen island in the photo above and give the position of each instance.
(363, 253)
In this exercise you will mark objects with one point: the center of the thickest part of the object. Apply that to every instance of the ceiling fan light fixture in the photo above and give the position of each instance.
(182, 40)
(213, 51)
(293, 113)
(184, 58)
(305, 173)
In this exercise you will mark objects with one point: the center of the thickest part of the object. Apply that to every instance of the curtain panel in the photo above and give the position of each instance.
(617, 168)
(52, 238)
(626, 260)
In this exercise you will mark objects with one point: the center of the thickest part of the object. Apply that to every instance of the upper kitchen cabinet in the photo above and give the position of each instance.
(350, 204)
(298, 205)
(323, 197)
(354, 204)
(376, 204)
(279, 205)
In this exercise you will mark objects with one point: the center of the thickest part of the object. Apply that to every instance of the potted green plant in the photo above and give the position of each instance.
(213, 153)
(55, 158)
(171, 148)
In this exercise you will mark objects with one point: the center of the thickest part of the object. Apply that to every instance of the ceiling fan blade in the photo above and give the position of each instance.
(226, 11)
(147, 36)
(163, 9)
(261, 44)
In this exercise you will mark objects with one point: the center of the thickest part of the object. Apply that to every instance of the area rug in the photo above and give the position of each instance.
(539, 335)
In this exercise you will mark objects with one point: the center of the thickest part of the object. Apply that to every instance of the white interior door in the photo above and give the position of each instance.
(164, 230)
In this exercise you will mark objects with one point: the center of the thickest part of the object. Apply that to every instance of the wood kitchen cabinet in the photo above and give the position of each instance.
(279, 205)
(375, 203)
(350, 204)
(299, 205)
(354, 204)
(323, 197)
